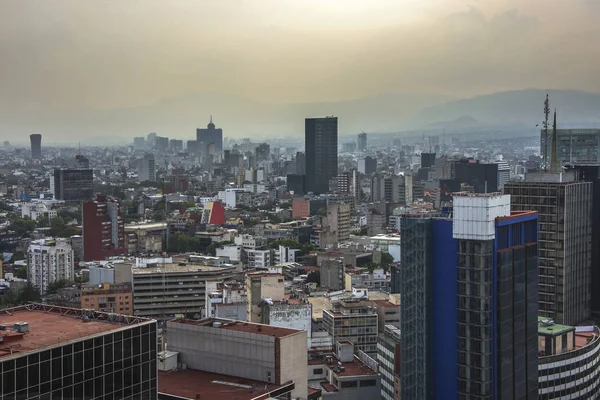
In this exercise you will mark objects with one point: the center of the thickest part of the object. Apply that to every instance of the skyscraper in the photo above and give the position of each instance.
(469, 302)
(209, 138)
(73, 184)
(321, 146)
(564, 207)
(578, 146)
(147, 168)
(36, 146)
(103, 229)
(361, 143)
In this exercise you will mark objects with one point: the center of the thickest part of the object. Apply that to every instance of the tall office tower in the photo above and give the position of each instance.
(477, 337)
(503, 174)
(175, 145)
(321, 145)
(300, 163)
(52, 352)
(139, 143)
(49, 260)
(192, 147)
(392, 189)
(573, 146)
(388, 356)
(565, 248)
(211, 137)
(151, 140)
(263, 152)
(73, 184)
(161, 144)
(82, 161)
(367, 165)
(483, 177)
(103, 229)
(36, 146)
(591, 173)
(361, 142)
(427, 160)
(147, 169)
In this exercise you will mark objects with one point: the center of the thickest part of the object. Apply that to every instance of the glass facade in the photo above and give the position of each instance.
(321, 143)
(117, 365)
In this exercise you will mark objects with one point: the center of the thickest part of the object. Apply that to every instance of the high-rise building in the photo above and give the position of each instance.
(427, 160)
(210, 138)
(483, 177)
(367, 165)
(103, 229)
(263, 152)
(192, 147)
(49, 260)
(573, 146)
(321, 144)
(73, 184)
(361, 142)
(388, 356)
(52, 352)
(139, 143)
(338, 221)
(147, 169)
(175, 145)
(392, 189)
(564, 209)
(36, 146)
(476, 337)
(300, 163)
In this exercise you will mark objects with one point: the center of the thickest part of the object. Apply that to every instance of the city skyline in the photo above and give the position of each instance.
(89, 70)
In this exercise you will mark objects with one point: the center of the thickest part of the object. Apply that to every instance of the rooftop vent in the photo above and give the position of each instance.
(217, 324)
(21, 327)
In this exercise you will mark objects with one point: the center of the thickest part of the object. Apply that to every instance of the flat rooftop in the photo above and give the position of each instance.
(173, 268)
(189, 383)
(318, 305)
(240, 326)
(51, 325)
(552, 330)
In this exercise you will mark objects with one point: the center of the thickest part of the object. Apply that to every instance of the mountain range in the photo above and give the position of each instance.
(240, 117)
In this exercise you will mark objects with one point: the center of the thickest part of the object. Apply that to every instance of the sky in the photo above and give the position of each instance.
(103, 55)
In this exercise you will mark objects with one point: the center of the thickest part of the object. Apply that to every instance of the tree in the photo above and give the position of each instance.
(314, 276)
(211, 250)
(55, 286)
(29, 293)
(21, 272)
(386, 261)
(10, 298)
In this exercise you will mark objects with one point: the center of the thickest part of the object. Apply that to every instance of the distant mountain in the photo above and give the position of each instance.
(241, 117)
(524, 107)
(463, 122)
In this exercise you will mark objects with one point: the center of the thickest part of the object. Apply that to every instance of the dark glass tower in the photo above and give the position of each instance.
(36, 146)
(321, 144)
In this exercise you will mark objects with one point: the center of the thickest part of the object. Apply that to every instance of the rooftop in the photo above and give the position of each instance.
(318, 305)
(552, 329)
(239, 326)
(189, 383)
(172, 268)
(52, 325)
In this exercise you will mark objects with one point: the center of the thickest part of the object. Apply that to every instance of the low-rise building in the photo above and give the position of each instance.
(115, 298)
(261, 286)
(261, 353)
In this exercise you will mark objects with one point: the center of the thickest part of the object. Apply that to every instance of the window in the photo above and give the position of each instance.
(348, 384)
(318, 371)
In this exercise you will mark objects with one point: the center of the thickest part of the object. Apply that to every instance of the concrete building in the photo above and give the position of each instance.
(103, 229)
(338, 221)
(145, 238)
(168, 291)
(388, 312)
(564, 208)
(332, 274)
(321, 144)
(503, 174)
(224, 294)
(361, 142)
(257, 258)
(68, 353)
(388, 357)
(263, 353)
(569, 361)
(392, 189)
(108, 298)
(355, 320)
(49, 260)
(288, 313)
(147, 169)
(367, 165)
(342, 375)
(210, 139)
(261, 286)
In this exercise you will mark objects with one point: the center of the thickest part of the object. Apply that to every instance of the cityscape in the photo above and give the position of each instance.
(377, 244)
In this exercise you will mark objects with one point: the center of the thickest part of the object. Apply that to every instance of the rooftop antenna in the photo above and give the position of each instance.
(554, 160)
(545, 125)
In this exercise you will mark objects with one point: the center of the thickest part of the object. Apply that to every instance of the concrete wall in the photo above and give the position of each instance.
(295, 316)
(222, 351)
(236, 311)
(293, 361)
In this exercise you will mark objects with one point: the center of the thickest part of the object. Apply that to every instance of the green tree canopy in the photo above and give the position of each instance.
(29, 293)
(55, 286)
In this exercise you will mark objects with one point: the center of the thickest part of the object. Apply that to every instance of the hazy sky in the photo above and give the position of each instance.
(108, 54)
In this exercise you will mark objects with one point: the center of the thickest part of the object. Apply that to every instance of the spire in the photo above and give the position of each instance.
(210, 124)
(554, 161)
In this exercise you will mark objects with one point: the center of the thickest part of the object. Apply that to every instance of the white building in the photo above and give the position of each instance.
(259, 258)
(147, 168)
(37, 210)
(50, 260)
(232, 252)
(503, 174)
(229, 196)
(285, 255)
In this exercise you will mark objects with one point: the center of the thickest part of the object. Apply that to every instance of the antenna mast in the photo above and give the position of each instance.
(545, 125)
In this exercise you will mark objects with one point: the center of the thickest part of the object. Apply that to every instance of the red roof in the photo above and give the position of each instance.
(189, 383)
